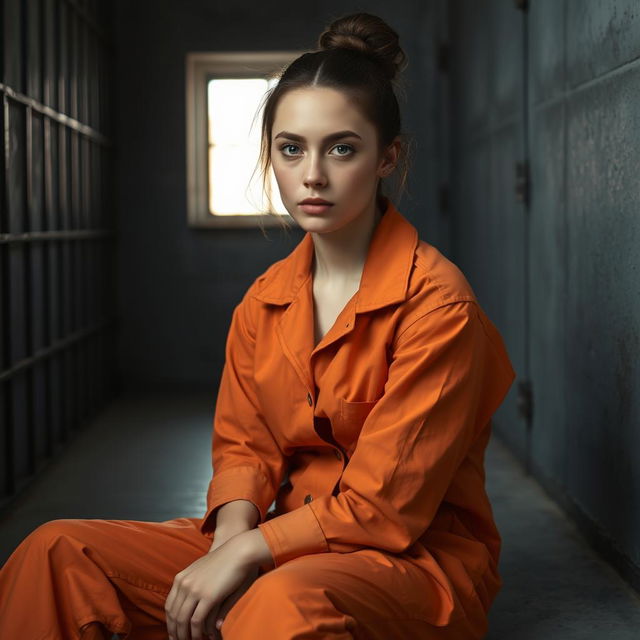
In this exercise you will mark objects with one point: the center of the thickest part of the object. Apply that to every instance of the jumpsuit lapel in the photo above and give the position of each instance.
(295, 330)
(384, 281)
(295, 333)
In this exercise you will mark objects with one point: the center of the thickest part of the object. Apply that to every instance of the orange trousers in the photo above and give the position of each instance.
(88, 579)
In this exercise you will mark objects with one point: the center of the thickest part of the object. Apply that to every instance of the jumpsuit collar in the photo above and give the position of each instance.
(385, 276)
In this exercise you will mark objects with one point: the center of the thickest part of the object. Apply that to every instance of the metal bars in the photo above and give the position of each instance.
(56, 229)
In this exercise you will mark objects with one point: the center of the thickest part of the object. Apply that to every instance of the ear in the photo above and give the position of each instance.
(389, 158)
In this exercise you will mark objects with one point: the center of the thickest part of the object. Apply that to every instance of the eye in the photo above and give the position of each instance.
(286, 146)
(345, 146)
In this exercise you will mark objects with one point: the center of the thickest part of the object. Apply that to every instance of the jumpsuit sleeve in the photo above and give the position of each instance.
(448, 373)
(247, 461)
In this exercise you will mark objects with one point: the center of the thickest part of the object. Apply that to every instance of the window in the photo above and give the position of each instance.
(224, 94)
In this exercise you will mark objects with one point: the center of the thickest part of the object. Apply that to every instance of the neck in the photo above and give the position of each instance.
(339, 256)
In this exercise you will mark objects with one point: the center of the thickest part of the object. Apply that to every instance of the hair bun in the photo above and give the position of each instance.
(369, 35)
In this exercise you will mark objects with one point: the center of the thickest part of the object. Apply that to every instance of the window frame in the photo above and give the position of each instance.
(200, 68)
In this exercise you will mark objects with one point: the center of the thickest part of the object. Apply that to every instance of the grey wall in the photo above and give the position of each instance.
(178, 286)
(558, 85)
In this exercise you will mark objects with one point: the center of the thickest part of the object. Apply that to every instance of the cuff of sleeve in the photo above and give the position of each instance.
(292, 534)
(237, 483)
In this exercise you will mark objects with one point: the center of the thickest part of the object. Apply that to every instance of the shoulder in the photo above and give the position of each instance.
(249, 304)
(268, 275)
(435, 280)
(440, 298)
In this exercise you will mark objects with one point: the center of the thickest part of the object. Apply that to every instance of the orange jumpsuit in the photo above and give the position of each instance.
(371, 444)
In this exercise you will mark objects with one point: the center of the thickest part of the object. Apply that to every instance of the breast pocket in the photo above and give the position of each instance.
(352, 417)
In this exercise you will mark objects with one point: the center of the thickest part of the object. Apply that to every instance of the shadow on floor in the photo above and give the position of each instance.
(147, 457)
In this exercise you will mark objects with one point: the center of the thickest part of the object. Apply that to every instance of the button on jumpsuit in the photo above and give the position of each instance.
(370, 445)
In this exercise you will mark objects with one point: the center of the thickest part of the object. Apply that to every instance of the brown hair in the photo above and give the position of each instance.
(357, 54)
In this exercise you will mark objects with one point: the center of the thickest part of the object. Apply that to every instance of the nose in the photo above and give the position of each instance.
(314, 173)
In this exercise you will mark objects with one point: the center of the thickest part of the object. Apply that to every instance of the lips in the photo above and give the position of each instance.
(315, 206)
(315, 201)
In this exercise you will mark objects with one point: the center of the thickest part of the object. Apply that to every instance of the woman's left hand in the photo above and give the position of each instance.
(198, 590)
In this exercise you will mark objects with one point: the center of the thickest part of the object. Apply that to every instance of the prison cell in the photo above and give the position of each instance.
(57, 229)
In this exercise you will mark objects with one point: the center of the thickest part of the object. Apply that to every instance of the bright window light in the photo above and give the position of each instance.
(234, 113)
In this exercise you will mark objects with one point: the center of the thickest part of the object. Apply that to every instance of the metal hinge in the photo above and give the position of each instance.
(525, 400)
(523, 182)
(523, 5)
(443, 57)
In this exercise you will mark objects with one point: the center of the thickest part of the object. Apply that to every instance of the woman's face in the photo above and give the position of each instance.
(308, 163)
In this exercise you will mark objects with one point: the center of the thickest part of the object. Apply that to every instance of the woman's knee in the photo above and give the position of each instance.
(288, 581)
(58, 528)
(288, 587)
(286, 601)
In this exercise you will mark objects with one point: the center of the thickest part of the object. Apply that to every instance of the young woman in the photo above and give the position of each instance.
(357, 393)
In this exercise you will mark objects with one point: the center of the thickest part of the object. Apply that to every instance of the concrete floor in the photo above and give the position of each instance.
(147, 457)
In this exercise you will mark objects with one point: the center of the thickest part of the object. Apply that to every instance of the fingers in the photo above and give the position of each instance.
(182, 619)
(168, 610)
(172, 606)
(215, 619)
(219, 622)
(230, 601)
(190, 604)
(211, 628)
(190, 621)
(226, 606)
(199, 619)
(179, 607)
(213, 625)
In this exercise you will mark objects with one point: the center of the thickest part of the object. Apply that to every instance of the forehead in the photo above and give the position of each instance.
(317, 111)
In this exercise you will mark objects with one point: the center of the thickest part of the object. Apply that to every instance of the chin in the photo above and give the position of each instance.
(308, 220)
(323, 225)
(309, 223)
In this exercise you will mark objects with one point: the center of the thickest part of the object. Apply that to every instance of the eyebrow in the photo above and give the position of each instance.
(332, 136)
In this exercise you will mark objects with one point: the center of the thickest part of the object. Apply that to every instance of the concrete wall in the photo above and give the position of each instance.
(178, 286)
(558, 85)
